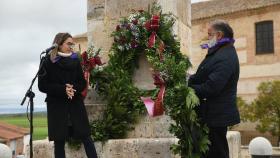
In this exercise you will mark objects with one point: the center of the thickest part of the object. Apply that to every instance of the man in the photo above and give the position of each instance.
(215, 83)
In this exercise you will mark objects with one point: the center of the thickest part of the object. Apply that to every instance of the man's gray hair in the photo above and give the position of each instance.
(223, 26)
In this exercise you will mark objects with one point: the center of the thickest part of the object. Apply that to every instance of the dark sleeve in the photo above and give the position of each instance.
(45, 86)
(217, 79)
(80, 84)
(191, 79)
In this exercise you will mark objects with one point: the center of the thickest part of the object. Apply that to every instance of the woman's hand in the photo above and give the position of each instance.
(70, 91)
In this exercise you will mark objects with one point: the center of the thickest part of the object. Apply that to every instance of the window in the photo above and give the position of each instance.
(264, 37)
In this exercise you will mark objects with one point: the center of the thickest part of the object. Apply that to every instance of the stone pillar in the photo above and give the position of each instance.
(103, 16)
(182, 28)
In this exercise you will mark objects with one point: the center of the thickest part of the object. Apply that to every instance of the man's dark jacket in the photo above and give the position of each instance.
(215, 83)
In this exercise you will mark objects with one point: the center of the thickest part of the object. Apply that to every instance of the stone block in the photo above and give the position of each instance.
(93, 97)
(95, 111)
(142, 77)
(152, 127)
(119, 8)
(96, 9)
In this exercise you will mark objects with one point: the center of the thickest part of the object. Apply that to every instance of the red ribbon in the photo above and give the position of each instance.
(88, 64)
(155, 108)
(158, 81)
(152, 40)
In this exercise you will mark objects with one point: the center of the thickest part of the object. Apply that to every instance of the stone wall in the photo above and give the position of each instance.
(254, 68)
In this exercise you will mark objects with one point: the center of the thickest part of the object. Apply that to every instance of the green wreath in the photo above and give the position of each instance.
(148, 32)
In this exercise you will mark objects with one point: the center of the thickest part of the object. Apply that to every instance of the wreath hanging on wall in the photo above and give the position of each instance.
(150, 33)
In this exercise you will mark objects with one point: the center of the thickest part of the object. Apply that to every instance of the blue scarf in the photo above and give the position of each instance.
(219, 43)
(73, 56)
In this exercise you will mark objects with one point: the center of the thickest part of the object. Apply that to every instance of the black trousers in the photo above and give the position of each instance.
(59, 151)
(219, 145)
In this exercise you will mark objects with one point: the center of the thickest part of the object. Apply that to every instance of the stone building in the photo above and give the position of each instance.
(15, 137)
(81, 42)
(256, 25)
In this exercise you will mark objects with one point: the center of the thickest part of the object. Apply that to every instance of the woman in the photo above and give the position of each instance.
(62, 80)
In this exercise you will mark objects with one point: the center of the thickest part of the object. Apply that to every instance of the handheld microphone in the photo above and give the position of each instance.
(49, 49)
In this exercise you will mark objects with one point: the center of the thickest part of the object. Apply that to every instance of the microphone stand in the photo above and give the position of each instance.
(30, 94)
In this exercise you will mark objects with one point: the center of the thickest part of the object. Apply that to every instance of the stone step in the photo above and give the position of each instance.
(129, 148)
(118, 148)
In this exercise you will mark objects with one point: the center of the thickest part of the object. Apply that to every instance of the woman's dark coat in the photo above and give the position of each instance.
(215, 83)
(63, 112)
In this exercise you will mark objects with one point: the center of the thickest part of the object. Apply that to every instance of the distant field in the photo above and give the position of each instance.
(39, 123)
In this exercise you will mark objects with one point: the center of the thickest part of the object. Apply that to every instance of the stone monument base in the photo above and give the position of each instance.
(129, 148)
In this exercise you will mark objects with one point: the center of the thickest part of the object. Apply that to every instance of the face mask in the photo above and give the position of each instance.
(212, 42)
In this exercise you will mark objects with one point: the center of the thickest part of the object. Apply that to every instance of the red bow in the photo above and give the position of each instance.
(152, 25)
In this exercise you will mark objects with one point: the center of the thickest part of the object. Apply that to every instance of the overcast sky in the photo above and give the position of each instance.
(26, 28)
